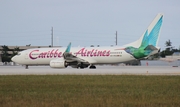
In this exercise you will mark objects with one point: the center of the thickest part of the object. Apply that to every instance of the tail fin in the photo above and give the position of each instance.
(147, 44)
(153, 31)
(151, 35)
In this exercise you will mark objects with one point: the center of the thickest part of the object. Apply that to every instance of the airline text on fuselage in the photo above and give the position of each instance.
(55, 53)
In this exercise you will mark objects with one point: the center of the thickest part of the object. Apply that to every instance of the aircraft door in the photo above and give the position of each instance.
(26, 55)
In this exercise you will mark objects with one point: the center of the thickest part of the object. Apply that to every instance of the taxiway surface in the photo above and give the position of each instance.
(101, 70)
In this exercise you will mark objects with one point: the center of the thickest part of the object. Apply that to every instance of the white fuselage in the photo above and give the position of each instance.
(93, 55)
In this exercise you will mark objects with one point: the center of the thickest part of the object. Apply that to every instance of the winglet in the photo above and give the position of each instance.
(68, 47)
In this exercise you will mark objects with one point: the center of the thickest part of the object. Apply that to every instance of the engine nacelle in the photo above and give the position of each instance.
(58, 63)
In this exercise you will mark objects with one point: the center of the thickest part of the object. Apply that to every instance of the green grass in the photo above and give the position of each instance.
(89, 91)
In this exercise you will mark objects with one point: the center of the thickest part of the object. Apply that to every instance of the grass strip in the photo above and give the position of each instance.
(89, 91)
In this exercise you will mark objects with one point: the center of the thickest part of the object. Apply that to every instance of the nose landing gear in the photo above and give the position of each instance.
(26, 67)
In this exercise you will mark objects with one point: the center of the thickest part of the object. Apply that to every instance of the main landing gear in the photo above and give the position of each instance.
(92, 67)
(82, 65)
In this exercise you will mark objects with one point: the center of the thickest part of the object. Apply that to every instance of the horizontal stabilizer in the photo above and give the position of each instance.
(150, 47)
(153, 50)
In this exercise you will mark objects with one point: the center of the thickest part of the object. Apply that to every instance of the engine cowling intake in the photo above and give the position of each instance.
(58, 63)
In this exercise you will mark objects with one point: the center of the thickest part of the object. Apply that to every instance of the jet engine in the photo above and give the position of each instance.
(58, 63)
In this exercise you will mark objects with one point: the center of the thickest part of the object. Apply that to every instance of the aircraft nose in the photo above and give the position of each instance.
(13, 59)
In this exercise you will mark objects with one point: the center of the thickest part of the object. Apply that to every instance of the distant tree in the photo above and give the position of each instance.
(169, 49)
(168, 45)
(162, 54)
(15, 51)
(5, 49)
(5, 55)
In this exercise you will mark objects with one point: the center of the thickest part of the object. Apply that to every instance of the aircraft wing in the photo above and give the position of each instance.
(73, 60)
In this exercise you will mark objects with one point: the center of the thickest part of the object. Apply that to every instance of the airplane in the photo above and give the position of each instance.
(84, 57)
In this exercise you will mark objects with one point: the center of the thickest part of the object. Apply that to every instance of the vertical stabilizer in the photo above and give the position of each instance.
(154, 30)
(151, 35)
(147, 44)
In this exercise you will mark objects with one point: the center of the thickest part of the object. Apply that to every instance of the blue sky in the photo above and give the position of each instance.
(85, 22)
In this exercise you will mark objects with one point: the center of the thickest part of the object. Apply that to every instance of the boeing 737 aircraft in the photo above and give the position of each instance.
(83, 57)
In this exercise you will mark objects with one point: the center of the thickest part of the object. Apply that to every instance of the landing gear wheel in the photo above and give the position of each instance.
(26, 67)
(92, 67)
(80, 66)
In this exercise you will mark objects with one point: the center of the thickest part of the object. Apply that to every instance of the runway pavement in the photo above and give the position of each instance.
(101, 70)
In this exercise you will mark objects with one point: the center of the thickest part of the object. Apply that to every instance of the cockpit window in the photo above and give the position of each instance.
(19, 54)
